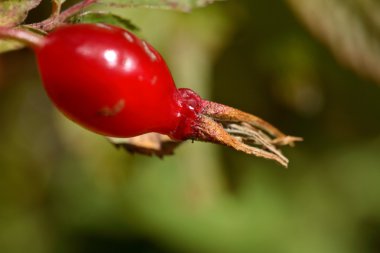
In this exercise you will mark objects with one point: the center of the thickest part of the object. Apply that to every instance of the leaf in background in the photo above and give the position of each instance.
(9, 45)
(104, 17)
(183, 5)
(351, 28)
(14, 12)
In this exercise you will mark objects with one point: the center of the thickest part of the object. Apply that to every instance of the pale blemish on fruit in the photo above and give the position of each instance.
(112, 111)
(149, 52)
(154, 80)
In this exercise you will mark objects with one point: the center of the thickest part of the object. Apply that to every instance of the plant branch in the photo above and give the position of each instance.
(31, 39)
(75, 9)
(57, 18)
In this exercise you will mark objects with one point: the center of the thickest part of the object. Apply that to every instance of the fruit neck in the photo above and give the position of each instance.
(190, 105)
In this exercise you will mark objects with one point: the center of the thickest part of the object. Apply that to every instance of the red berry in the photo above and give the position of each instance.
(113, 83)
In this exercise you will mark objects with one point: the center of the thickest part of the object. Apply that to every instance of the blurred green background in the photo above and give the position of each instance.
(64, 189)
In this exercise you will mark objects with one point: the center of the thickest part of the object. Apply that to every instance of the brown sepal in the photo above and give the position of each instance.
(147, 144)
(242, 131)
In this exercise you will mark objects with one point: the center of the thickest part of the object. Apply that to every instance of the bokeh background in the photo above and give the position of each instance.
(64, 189)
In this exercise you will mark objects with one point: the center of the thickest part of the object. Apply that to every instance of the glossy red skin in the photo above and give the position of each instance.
(111, 82)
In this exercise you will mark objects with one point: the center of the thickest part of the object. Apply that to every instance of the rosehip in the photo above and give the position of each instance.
(111, 82)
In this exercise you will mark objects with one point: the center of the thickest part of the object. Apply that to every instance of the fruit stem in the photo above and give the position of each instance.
(75, 9)
(49, 23)
(57, 18)
(31, 39)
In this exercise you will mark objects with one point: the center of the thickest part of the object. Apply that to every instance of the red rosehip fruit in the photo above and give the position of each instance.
(113, 83)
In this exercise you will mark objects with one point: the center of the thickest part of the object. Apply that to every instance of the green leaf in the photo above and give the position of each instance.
(13, 12)
(350, 28)
(104, 17)
(9, 45)
(182, 5)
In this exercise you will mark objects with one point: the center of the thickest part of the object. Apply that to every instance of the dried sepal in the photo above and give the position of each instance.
(147, 144)
(211, 131)
(242, 131)
(224, 113)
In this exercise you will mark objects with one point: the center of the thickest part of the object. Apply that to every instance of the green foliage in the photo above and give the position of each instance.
(9, 45)
(351, 29)
(13, 12)
(183, 5)
(104, 17)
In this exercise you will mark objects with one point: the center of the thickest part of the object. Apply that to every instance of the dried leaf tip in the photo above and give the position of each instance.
(147, 144)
